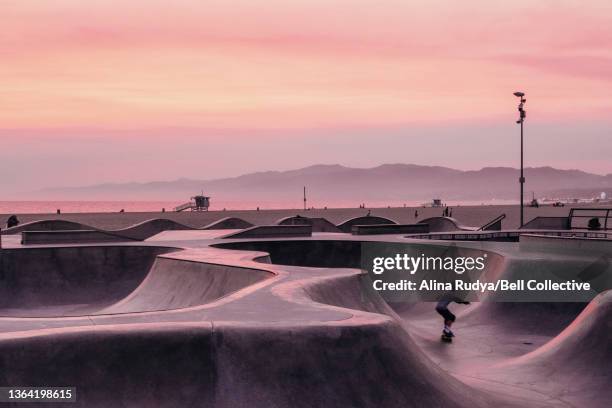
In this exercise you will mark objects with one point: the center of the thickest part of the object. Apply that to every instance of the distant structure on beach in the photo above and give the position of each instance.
(436, 202)
(197, 203)
(534, 201)
(601, 198)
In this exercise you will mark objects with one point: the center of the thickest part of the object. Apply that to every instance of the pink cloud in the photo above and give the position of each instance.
(249, 64)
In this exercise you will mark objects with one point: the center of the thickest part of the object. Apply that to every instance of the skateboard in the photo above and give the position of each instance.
(446, 339)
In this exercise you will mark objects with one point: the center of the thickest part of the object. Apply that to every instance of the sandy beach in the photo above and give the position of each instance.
(474, 216)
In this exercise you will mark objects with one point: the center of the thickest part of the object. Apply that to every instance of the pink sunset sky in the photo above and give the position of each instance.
(139, 90)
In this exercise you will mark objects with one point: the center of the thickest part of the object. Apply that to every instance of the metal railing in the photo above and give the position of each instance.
(494, 221)
(510, 235)
(183, 206)
(577, 215)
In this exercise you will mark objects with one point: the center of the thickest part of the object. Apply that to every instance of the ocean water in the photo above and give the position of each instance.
(51, 207)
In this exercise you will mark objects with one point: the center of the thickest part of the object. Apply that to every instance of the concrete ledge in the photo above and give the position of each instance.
(390, 229)
(566, 244)
(502, 236)
(70, 237)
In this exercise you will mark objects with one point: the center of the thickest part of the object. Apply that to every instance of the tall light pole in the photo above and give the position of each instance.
(520, 121)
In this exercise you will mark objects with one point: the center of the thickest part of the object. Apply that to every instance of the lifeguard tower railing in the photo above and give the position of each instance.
(183, 207)
(579, 218)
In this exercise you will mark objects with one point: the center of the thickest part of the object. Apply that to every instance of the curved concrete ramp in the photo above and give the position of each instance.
(315, 334)
(59, 231)
(444, 224)
(576, 363)
(586, 343)
(258, 345)
(318, 224)
(124, 365)
(46, 225)
(147, 229)
(176, 282)
(263, 366)
(347, 225)
(228, 223)
(543, 318)
(66, 281)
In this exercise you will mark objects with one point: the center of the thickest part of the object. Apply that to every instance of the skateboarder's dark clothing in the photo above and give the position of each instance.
(449, 318)
(442, 308)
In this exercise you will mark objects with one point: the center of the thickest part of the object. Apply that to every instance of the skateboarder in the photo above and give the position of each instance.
(449, 318)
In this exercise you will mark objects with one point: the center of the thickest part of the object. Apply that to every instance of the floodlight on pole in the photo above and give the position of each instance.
(521, 120)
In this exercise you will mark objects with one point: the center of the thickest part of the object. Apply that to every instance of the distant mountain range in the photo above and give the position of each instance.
(393, 182)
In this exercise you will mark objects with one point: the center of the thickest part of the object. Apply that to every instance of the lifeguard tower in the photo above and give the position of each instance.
(197, 203)
(436, 202)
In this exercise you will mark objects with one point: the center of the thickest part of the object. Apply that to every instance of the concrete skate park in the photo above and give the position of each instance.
(232, 314)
